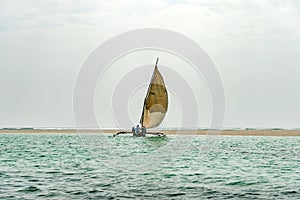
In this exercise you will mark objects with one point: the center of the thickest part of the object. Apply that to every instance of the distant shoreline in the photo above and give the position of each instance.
(245, 132)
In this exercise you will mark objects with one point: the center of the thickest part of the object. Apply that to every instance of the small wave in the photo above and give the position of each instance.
(175, 194)
(30, 189)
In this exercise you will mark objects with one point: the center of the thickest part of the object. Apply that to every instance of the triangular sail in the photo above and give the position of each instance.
(156, 101)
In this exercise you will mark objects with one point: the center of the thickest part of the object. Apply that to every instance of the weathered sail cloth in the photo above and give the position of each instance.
(156, 101)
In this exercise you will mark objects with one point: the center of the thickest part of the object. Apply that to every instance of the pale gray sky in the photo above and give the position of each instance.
(255, 46)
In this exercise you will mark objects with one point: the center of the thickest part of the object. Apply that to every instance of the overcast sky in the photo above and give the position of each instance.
(255, 46)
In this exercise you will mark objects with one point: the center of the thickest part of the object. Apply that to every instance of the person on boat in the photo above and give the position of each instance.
(137, 130)
(133, 130)
(144, 129)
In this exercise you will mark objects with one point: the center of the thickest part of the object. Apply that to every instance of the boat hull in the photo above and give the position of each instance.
(159, 134)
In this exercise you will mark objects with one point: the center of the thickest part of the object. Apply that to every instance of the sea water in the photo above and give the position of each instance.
(96, 166)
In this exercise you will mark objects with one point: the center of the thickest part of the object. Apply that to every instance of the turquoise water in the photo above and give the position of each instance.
(86, 166)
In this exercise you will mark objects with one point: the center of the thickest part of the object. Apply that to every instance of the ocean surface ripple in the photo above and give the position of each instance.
(91, 166)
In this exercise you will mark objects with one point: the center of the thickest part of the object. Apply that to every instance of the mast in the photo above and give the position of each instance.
(149, 87)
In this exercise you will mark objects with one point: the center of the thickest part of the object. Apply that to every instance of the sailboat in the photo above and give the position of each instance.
(155, 106)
